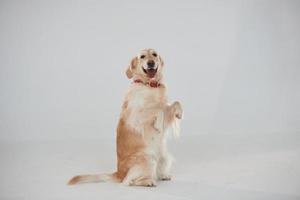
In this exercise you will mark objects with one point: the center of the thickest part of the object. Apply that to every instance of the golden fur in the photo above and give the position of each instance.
(141, 133)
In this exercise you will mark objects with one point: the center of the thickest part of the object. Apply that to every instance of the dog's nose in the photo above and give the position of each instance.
(151, 64)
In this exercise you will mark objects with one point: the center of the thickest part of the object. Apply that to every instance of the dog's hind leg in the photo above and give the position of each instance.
(142, 173)
(164, 167)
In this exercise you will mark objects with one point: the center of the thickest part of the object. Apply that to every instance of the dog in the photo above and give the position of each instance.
(144, 123)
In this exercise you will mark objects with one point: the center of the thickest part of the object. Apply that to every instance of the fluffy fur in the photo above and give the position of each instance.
(142, 129)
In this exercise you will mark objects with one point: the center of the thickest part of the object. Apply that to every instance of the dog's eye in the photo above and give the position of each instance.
(142, 56)
(154, 54)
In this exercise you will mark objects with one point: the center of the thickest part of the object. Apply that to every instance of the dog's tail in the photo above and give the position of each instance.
(94, 178)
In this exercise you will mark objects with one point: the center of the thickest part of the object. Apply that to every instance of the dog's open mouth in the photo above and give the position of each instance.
(150, 72)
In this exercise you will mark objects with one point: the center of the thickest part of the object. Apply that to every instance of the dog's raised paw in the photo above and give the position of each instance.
(177, 109)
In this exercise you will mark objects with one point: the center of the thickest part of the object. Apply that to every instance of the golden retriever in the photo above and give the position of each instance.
(144, 122)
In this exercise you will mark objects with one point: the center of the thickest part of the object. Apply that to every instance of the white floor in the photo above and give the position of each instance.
(212, 166)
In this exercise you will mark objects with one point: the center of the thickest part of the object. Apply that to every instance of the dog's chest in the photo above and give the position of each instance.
(144, 105)
(144, 97)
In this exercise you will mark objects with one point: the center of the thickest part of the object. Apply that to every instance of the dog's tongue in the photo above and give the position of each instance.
(151, 73)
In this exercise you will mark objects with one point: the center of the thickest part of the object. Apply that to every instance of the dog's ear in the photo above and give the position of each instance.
(131, 67)
(129, 73)
(161, 61)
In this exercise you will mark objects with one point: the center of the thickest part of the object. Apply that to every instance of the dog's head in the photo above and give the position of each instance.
(146, 65)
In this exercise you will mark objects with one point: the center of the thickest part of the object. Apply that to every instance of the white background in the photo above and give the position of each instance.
(234, 65)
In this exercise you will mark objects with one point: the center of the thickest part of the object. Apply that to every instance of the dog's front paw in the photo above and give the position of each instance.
(177, 109)
(165, 177)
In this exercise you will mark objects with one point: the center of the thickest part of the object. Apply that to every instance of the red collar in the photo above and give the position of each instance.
(153, 84)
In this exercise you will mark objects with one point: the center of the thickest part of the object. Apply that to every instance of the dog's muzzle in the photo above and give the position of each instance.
(150, 70)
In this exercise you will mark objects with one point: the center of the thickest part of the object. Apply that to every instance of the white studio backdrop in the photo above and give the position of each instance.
(234, 65)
